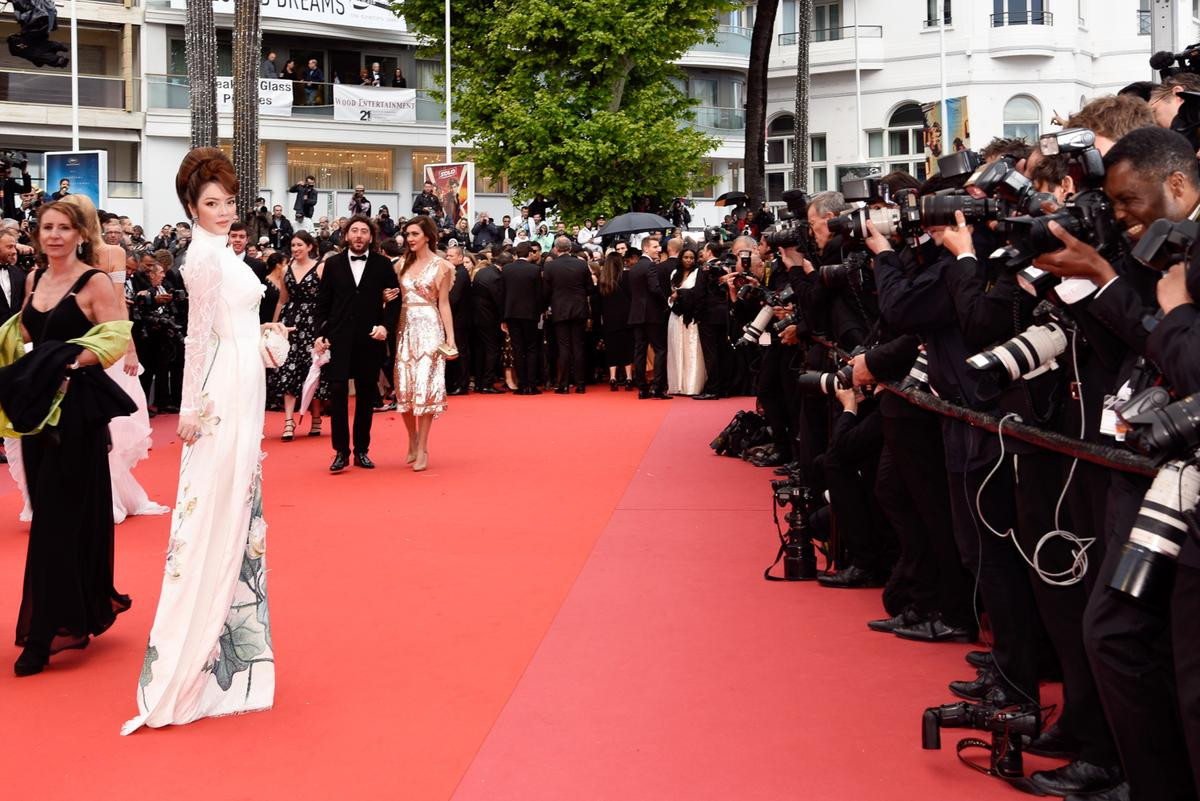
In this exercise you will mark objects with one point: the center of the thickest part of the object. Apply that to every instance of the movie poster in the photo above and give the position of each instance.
(945, 136)
(87, 170)
(454, 185)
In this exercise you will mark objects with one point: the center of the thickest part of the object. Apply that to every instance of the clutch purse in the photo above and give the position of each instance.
(273, 347)
(447, 350)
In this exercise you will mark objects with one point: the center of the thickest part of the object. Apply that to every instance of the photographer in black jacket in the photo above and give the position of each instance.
(713, 319)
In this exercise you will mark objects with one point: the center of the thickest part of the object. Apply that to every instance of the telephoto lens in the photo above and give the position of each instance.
(753, 330)
(939, 209)
(1168, 431)
(1146, 569)
(1028, 354)
(918, 376)
(814, 381)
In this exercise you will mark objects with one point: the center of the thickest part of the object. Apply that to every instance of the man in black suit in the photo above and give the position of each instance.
(239, 239)
(279, 229)
(354, 321)
(648, 318)
(458, 371)
(569, 285)
(12, 277)
(487, 312)
(306, 198)
(523, 305)
(714, 320)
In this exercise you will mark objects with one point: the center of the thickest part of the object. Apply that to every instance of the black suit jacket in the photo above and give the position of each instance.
(12, 304)
(280, 232)
(346, 314)
(568, 284)
(460, 298)
(648, 292)
(522, 291)
(487, 296)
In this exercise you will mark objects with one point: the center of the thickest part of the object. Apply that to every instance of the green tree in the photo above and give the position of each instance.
(574, 99)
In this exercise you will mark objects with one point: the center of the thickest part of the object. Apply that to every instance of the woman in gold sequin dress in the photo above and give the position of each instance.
(425, 325)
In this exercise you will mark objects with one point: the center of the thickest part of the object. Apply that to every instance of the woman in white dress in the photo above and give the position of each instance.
(210, 651)
(685, 359)
(130, 435)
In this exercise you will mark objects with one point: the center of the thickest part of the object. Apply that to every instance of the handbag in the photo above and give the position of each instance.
(447, 350)
(273, 347)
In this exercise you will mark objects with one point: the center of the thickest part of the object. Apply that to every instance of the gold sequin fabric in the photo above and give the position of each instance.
(420, 368)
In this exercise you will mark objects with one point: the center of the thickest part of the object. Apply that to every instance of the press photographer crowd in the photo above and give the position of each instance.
(978, 394)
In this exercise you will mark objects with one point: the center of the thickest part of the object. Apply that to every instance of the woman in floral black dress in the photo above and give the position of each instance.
(302, 281)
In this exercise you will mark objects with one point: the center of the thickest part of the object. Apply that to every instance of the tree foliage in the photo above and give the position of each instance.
(573, 99)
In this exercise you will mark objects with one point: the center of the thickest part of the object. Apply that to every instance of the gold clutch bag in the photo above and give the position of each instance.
(447, 350)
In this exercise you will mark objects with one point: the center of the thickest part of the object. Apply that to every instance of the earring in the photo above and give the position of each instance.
(195, 221)
(79, 250)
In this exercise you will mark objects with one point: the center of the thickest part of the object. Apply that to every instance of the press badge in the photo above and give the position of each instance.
(1109, 422)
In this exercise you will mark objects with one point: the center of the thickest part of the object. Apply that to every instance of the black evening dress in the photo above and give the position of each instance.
(69, 594)
(300, 313)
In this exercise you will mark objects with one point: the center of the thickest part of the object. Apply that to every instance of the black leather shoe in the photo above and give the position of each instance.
(935, 630)
(643, 394)
(534, 391)
(362, 460)
(340, 460)
(30, 662)
(661, 396)
(580, 389)
(978, 689)
(980, 659)
(490, 391)
(1079, 777)
(1054, 743)
(457, 392)
(851, 577)
(908, 617)
(706, 396)
(1118, 793)
(786, 469)
(561, 391)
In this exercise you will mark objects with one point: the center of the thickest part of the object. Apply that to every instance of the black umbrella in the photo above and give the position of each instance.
(732, 199)
(633, 223)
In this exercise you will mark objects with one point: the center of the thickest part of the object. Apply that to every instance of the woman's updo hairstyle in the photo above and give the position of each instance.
(201, 166)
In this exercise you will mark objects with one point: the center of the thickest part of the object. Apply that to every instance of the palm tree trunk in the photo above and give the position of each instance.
(201, 49)
(756, 100)
(800, 156)
(247, 46)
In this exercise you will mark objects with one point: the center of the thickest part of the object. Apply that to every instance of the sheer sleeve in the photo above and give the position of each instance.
(202, 279)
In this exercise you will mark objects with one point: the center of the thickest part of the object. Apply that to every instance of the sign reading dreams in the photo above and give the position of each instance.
(373, 14)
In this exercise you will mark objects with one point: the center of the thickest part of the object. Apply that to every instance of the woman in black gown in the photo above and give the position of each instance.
(612, 304)
(69, 595)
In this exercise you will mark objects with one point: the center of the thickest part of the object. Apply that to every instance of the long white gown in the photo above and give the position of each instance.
(685, 359)
(210, 651)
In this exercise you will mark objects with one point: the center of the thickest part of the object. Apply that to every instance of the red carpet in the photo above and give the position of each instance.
(567, 605)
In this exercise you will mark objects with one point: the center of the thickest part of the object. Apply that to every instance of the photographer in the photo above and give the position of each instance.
(10, 188)
(1150, 173)
(359, 203)
(713, 319)
(306, 199)
(159, 331)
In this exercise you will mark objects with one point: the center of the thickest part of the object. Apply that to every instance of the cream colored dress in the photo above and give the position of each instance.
(420, 367)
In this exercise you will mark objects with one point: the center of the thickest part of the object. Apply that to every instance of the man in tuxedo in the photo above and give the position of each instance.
(12, 277)
(487, 312)
(648, 315)
(569, 285)
(522, 281)
(354, 321)
(458, 371)
(713, 318)
(239, 239)
(280, 229)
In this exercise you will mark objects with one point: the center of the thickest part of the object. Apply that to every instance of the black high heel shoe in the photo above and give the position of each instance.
(628, 385)
(612, 384)
(30, 662)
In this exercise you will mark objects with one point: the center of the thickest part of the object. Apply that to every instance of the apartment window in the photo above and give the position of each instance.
(704, 90)
(1022, 118)
(899, 146)
(936, 11)
(428, 74)
(787, 16)
(780, 138)
(818, 168)
(1020, 12)
(341, 167)
(827, 22)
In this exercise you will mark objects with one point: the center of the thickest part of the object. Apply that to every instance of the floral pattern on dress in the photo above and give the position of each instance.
(300, 312)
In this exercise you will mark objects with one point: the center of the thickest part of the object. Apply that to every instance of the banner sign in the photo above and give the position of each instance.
(374, 14)
(945, 136)
(274, 97)
(373, 104)
(454, 185)
(87, 170)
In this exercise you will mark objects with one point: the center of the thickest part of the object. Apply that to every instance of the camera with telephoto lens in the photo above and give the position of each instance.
(1006, 724)
(903, 219)
(1004, 182)
(918, 374)
(854, 271)
(799, 553)
(813, 382)
(1028, 354)
(1088, 218)
(754, 329)
(1166, 243)
(939, 208)
(792, 229)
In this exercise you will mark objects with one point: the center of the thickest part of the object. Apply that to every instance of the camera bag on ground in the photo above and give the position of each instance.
(744, 431)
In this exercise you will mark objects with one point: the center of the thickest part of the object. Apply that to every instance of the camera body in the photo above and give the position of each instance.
(1006, 724)
(792, 229)
(1166, 243)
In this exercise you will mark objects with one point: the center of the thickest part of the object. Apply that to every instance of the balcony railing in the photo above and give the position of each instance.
(1022, 18)
(54, 89)
(719, 119)
(835, 34)
(1143, 28)
(729, 39)
(172, 92)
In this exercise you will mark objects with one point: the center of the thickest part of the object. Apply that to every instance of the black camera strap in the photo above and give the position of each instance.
(783, 543)
(1021, 783)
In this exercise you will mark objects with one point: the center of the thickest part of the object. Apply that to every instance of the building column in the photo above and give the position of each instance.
(402, 180)
(277, 174)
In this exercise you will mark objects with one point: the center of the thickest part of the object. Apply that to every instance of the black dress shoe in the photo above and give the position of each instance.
(490, 391)
(30, 662)
(340, 460)
(849, 578)
(362, 460)
(612, 385)
(706, 396)
(561, 391)
(1079, 777)
(580, 389)
(661, 396)
(643, 394)
(935, 630)
(457, 392)
(1118, 793)
(908, 617)
(630, 386)
(534, 391)
(980, 659)
(977, 689)
(1054, 743)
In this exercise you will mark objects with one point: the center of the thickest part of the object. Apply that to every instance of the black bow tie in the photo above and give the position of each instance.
(358, 258)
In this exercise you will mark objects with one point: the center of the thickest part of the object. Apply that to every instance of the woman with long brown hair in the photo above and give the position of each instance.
(613, 301)
(426, 337)
(297, 310)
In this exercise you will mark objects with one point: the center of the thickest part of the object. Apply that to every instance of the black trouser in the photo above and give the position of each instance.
(1129, 646)
(714, 344)
(918, 506)
(458, 371)
(646, 336)
(849, 467)
(366, 398)
(526, 341)
(1000, 572)
(572, 360)
(486, 350)
(772, 399)
(1185, 609)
